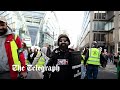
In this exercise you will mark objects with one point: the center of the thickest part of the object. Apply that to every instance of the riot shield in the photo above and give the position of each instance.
(76, 64)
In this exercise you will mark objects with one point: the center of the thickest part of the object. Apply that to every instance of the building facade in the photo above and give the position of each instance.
(93, 29)
(103, 27)
(113, 28)
(43, 27)
(34, 21)
(50, 28)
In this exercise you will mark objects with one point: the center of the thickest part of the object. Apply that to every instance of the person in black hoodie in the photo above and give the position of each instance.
(61, 56)
(32, 54)
(103, 60)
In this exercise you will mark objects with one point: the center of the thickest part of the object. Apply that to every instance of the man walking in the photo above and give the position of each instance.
(11, 55)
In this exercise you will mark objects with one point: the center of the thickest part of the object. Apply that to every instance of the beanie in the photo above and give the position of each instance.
(61, 36)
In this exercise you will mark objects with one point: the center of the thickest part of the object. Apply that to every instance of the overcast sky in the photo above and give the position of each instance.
(71, 21)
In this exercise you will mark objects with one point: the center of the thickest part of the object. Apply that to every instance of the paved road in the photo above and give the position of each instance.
(109, 72)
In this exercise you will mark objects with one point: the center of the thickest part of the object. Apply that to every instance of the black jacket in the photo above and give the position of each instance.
(48, 53)
(57, 58)
(31, 58)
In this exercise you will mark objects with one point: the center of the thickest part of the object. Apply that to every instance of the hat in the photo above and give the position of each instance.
(3, 19)
(61, 36)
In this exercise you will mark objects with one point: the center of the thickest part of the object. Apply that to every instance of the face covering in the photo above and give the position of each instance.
(2, 31)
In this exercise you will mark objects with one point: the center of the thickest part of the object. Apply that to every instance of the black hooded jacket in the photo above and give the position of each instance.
(57, 58)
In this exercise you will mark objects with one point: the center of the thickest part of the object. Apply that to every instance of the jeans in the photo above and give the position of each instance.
(83, 71)
(92, 71)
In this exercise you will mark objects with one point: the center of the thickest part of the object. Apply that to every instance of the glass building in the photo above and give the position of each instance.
(34, 21)
(43, 27)
(17, 23)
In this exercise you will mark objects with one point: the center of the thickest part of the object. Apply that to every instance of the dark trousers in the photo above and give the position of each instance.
(92, 71)
(5, 75)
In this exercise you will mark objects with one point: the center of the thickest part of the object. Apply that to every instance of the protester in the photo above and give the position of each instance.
(93, 61)
(61, 57)
(11, 53)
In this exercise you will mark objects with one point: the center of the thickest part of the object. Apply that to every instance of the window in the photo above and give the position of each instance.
(103, 37)
(36, 20)
(99, 37)
(99, 25)
(109, 25)
(95, 25)
(103, 15)
(96, 37)
(95, 16)
(106, 26)
(28, 19)
(99, 15)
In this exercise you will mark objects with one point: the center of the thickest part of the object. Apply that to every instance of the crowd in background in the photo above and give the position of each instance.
(31, 52)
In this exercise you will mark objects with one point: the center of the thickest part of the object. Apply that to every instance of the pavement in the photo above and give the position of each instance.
(110, 72)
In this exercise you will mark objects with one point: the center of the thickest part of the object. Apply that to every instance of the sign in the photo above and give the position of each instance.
(27, 41)
(76, 64)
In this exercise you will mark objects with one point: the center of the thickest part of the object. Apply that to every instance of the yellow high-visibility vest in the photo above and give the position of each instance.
(41, 61)
(27, 62)
(82, 61)
(14, 49)
(94, 56)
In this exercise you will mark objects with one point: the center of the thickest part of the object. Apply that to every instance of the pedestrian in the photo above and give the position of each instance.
(118, 66)
(29, 55)
(40, 59)
(44, 51)
(40, 62)
(103, 59)
(83, 67)
(116, 59)
(11, 55)
(92, 61)
(32, 54)
(25, 51)
(48, 53)
(61, 57)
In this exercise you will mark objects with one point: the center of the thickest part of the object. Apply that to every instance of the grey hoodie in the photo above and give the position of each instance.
(3, 56)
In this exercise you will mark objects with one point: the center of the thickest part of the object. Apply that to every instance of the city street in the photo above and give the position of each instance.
(107, 73)
(46, 39)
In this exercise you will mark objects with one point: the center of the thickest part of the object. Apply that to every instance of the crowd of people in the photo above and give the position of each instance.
(105, 58)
